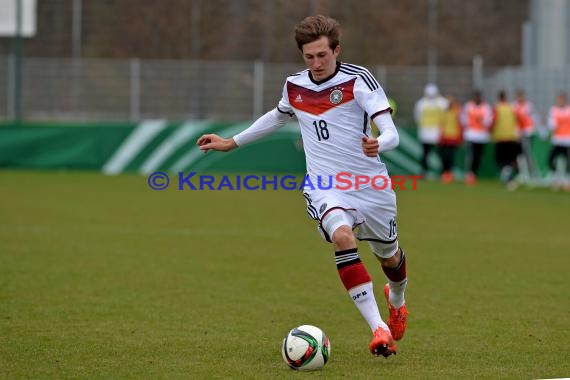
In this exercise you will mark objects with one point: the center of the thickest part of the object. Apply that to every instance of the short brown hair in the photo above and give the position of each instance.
(314, 27)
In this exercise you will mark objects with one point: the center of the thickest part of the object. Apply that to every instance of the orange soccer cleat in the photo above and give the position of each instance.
(447, 177)
(398, 317)
(470, 179)
(382, 343)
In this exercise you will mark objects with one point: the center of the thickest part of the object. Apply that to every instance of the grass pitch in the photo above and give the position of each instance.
(101, 277)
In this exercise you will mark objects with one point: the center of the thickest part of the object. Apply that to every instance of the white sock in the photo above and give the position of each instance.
(363, 297)
(397, 290)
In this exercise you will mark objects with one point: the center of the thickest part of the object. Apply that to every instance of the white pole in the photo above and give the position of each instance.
(76, 29)
(477, 72)
(10, 83)
(76, 55)
(195, 24)
(135, 78)
(432, 36)
(258, 73)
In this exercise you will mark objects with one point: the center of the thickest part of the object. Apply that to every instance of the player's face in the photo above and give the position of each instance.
(320, 58)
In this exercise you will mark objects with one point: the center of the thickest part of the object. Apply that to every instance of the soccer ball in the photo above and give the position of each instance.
(306, 348)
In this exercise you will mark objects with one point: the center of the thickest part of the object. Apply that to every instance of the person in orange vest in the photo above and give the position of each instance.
(559, 124)
(527, 122)
(505, 135)
(476, 118)
(427, 114)
(450, 137)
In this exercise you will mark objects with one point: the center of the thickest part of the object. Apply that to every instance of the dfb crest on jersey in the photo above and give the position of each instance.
(336, 96)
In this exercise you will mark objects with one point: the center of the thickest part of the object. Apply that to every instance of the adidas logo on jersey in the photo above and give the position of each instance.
(298, 99)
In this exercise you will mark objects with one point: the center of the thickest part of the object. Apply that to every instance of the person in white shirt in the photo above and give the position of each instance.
(428, 114)
(334, 103)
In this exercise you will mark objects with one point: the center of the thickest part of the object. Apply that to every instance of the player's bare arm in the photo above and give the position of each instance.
(215, 142)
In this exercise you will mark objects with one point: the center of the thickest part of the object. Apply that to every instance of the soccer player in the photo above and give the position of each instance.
(334, 103)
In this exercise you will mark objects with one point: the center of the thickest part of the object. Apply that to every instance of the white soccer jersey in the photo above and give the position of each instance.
(334, 115)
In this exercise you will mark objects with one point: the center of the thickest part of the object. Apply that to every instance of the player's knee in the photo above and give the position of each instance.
(343, 238)
(392, 261)
(337, 224)
(386, 252)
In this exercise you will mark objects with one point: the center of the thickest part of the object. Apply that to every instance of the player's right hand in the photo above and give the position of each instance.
(215, 142)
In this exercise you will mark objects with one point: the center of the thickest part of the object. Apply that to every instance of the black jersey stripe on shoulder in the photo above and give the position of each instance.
(371, 82)
(366, 80)
(297, 74)
(364, 74)
(364, 70)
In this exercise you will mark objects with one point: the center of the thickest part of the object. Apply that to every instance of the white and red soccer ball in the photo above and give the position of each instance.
(306, 348)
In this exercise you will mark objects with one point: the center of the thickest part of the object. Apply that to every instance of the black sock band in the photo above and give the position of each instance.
(346, 257)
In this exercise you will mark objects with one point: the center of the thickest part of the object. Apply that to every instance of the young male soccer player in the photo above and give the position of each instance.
(334, 103)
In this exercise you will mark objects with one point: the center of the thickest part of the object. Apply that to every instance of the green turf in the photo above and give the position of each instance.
(101, 277)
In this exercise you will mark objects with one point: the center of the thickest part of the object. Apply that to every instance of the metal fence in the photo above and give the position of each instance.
(118, 90)
(541, 84)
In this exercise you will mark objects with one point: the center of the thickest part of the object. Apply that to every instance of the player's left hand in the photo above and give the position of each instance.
(370, 146)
